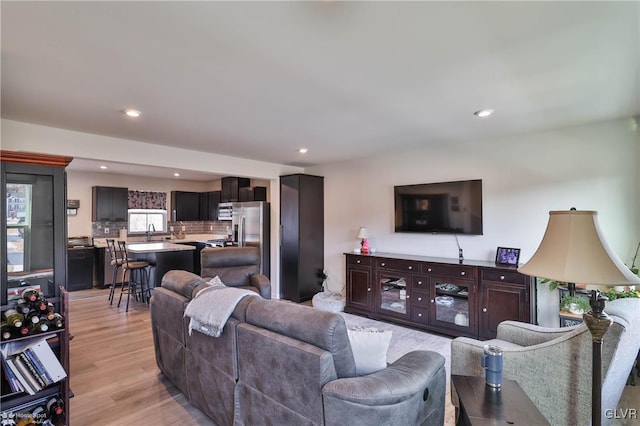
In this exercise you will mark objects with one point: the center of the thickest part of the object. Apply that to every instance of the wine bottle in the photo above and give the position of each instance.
(39, 414)
(33, 317)
(30, 294)
(7, 332)
(40, 304)
(23, 306)
(14, 318)
(55, 407)
(57, 321)
(25, 329)
(41, 327)
(50, 311)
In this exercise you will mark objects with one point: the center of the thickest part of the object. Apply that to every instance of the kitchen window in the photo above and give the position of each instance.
(141, 220)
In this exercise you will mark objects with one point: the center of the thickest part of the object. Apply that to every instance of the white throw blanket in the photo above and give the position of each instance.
(212, 307)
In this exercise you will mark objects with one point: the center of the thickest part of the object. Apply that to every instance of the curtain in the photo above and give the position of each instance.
(147, 200)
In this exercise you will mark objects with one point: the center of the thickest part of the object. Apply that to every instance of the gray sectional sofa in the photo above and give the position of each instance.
(281, 363)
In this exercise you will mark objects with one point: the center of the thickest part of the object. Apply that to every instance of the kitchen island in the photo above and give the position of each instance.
(163, 257)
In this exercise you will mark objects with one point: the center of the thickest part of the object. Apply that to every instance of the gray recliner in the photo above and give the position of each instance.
(553, 365)
(236, 267)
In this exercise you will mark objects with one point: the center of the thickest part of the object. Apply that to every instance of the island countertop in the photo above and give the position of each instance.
(157, 247)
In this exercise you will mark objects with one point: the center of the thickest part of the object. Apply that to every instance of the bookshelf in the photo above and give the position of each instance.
(33, 240)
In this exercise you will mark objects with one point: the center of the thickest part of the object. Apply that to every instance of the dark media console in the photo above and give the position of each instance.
(455, 297)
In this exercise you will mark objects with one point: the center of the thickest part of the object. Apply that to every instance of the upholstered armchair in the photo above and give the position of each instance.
(236, 267)
(553, 365)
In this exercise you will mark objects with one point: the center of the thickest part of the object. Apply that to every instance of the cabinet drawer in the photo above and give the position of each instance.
(419, 315)
(358, 260)
(420, 299)
(497, 275)
(457, 271)
(420, 283)
(397, 264)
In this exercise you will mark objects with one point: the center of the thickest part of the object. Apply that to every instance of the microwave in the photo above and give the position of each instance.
(225, 211)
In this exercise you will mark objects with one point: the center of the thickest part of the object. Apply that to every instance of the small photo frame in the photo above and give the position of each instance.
(507, 256)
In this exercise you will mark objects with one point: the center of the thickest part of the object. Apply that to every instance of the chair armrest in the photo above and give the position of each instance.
(262, 283)
(409, 391)
(525, 334)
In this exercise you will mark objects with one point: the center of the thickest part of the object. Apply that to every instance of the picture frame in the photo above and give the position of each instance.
(507, 256)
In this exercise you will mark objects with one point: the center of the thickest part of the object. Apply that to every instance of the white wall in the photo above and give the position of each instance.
(592, 167)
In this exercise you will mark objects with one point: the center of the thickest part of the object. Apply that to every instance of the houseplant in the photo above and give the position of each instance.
(574, 304)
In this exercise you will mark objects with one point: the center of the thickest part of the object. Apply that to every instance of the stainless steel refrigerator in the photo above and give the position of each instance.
(251, 228)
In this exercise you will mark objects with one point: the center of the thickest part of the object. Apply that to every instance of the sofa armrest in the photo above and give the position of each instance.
(263, 285)
(409, 391)
(525, 334)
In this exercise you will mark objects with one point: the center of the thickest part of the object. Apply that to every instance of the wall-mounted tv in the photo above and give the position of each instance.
(443, 207)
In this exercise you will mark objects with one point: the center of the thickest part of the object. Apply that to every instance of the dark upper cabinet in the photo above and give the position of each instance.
(231, 188)
(110, 204)
(256, 193)
(185, 206)
(209, 205)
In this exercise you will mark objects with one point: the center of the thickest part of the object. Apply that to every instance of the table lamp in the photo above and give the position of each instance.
(363, 236)
(573, 250)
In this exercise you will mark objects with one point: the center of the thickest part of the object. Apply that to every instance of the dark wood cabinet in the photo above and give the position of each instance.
(209, 205)
(34, 253)
(231, 188)
(504, 296)
(185, 206)
(359, 292)
(302, 236)
(438, 294)
(110, 204)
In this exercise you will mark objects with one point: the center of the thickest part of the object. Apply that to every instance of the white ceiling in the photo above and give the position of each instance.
(344, 79)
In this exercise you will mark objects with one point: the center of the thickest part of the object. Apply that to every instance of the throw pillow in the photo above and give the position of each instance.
(369, 346)
(215, 283)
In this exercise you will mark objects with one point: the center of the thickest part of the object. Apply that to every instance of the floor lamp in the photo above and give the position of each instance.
(573, 250)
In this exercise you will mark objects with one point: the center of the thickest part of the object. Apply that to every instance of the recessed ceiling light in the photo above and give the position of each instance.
(133, 113)
(103, 167)
(483, 113)
(176, 174)
(303, 150)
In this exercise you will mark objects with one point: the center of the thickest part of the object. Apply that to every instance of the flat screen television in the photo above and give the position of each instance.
(441, 208)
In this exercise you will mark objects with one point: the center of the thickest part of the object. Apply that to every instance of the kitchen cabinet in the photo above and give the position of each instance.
(34, 253)
(110, 204)
(209, 205)
(302, 236)
(185, 206)
(256, 193)
(231, 188)
(438, 294)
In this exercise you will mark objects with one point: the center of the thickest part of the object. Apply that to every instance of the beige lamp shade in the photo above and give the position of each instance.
(362, 234)
(574, 250)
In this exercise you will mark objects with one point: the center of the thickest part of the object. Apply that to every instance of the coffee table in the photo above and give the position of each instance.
(481, 405)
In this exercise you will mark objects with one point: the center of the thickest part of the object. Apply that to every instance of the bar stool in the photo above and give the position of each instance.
(129, 283)
(116, 263)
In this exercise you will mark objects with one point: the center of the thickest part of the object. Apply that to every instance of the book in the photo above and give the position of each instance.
(38, 365)
(26, 386)
(32, 369)
(48, 359)
(14, 384)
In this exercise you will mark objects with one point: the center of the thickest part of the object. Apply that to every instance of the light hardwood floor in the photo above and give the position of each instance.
(115, 378)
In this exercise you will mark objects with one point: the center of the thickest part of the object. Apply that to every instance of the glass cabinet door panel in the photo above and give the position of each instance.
(393, 293)
(451, 303)
(30, 233)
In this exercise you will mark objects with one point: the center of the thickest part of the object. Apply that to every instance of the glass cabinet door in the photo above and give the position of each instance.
(33, 231)
(393, 293)
(451, 307)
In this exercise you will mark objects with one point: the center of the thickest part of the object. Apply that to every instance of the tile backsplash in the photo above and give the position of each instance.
(201, 227)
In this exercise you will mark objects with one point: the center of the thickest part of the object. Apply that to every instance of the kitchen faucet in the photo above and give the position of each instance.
(150, 232)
